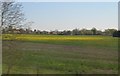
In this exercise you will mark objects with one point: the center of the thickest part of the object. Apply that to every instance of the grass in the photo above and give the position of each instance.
(55, 54)
(97, 41)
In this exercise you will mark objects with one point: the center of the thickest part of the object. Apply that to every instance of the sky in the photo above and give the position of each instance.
(67, 0)
(70, 15)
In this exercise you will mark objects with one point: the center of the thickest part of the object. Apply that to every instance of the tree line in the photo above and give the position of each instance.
(76, 31)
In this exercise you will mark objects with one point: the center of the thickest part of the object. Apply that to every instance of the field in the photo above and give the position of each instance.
(57, 54)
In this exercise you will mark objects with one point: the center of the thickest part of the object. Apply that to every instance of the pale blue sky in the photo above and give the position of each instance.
(67, 0)
(70, 15)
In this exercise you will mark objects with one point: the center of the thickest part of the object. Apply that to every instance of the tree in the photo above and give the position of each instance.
(83, 31)
(75, 32)
(110, 31)
(66, 32)
(94, 31)
(88, 32)
(11, 14)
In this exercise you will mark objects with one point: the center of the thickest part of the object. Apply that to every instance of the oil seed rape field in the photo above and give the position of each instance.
(59, 54)
(49, 37)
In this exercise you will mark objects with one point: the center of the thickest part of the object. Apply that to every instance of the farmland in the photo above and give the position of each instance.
(59, 54)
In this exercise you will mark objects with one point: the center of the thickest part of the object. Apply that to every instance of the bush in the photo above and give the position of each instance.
(116, 34)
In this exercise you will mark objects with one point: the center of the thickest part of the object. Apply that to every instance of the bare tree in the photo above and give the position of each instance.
(11, 14)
